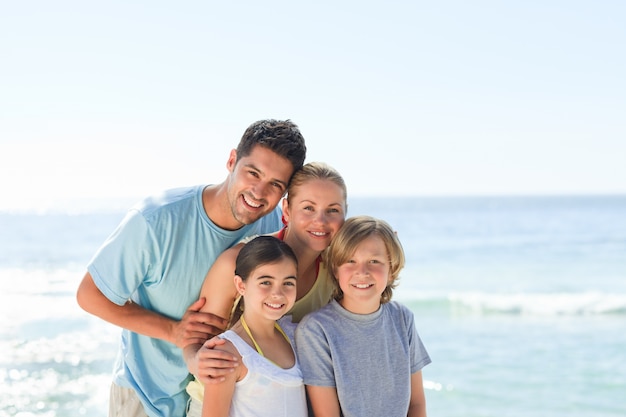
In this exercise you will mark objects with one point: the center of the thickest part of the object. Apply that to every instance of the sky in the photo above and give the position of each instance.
(102, 103)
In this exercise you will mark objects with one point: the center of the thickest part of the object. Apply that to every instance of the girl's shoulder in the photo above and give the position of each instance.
(232, 343)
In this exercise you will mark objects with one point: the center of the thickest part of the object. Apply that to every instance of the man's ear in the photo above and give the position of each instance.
(232, 160)
(240, 285)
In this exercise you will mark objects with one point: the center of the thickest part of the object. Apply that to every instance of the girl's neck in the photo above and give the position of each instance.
(259, 326)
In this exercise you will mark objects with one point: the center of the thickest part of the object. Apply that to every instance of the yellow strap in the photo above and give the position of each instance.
(256, 345)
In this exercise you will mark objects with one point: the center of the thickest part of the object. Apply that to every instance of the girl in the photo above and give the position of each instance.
(268, 382)
(361, 354)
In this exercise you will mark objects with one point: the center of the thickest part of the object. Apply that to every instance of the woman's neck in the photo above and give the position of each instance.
(307, 265)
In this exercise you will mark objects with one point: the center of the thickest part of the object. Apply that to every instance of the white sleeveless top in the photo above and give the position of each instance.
(267, 390)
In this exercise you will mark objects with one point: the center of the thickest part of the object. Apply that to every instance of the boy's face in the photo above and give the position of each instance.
(256, 183)
(364, 277)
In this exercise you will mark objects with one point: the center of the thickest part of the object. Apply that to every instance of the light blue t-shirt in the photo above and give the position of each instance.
(158, 257)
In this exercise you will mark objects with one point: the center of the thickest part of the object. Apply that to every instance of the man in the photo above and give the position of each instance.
(148, 273)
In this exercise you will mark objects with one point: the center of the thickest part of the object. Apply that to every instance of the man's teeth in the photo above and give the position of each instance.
(319, 233)
(251, 203)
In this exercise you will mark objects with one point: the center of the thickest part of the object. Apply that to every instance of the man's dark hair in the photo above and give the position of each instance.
(280, 136)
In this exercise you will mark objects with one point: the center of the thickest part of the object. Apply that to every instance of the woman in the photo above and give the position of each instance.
(313, 211)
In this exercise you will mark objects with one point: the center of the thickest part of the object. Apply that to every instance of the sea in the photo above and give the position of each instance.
(520, 302)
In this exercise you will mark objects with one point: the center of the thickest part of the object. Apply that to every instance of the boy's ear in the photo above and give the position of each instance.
(240, 285)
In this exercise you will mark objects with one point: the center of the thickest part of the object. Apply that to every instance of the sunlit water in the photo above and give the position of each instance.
(521, 303)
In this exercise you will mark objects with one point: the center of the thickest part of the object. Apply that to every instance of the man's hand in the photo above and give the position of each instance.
(196, 327)
(212, 363)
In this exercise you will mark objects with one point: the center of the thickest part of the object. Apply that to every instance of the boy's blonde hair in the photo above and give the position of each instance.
(354, 231)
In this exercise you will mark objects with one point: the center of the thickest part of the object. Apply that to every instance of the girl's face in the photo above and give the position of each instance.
(364, 277)
(315, 212)
(270, 290)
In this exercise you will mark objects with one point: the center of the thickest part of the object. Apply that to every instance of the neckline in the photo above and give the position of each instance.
(256, 345)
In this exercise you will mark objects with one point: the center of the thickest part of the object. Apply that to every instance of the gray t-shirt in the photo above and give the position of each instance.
(369, 358)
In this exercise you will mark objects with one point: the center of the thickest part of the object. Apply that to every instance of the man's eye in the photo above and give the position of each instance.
(278, 185)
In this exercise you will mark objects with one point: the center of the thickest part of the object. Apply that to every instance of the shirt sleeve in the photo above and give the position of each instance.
(314, 353)
(125, 259)
(418, 354)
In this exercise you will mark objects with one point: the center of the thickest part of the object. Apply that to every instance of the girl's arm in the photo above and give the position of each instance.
(220, 293)
(417, 405)
(218, 397)
(324, 401)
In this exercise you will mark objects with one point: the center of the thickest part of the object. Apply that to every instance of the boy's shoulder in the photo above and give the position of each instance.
(320, 315)
(398, 309)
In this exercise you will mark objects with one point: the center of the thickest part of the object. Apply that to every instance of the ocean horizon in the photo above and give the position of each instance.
(520, 301)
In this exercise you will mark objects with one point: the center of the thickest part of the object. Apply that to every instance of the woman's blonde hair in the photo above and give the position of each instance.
(354, 231)
(315, 171)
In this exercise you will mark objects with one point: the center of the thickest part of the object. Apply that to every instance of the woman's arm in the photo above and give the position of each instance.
(417, 405)
(220, 294)
(324, 401)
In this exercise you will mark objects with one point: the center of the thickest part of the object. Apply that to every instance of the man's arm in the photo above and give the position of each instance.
(194, 327)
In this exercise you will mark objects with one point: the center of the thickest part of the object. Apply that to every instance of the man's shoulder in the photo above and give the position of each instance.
(269, 223)
(170, 200)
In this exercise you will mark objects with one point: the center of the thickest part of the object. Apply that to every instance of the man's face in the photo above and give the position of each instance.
(256, 183)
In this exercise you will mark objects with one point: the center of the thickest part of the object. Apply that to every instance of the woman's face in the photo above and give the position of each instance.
(315, 212)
